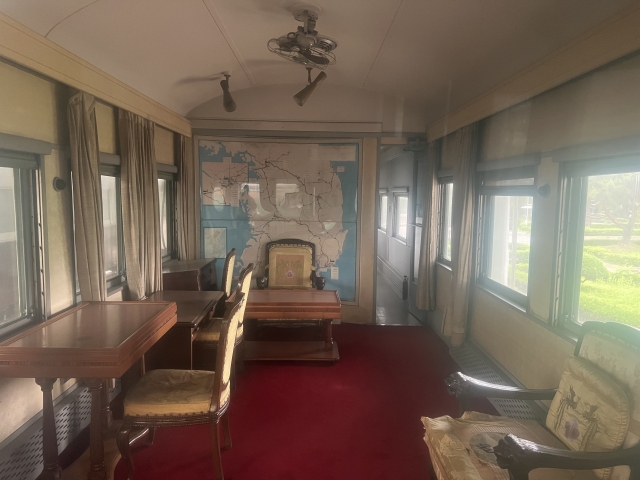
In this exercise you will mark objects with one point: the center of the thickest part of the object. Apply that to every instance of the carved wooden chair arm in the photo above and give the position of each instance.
(520, 456)
(464, 388)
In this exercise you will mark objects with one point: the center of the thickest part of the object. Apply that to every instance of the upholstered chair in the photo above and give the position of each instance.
(227, 273)
(206, 341)
(591, 431)
(170, 398)
(291, 265)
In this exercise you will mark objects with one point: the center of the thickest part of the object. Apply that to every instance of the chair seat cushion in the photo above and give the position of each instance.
(209, 332)
(462, 449)
(170, 392)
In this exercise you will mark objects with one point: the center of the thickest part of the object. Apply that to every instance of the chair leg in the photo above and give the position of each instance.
(215, 450)
(151, 436)
(122, 440)
(226, 431)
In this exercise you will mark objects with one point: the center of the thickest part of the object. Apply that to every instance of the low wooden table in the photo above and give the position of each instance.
(94, 341)
(175, 349)
(291, 306)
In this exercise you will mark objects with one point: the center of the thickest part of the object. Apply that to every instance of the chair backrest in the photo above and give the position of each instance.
(244, 284)
(615, 348)
(290, 263)
(227, 272)
(224, 358)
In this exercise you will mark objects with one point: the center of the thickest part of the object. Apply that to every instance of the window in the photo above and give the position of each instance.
(112, 228)
(601, 245)
(446, 202)
(18, 242)
(401, 216)
(506, 206)
(384, 208)
(166, 194)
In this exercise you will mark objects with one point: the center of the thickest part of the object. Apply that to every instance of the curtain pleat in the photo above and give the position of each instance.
(456, 312)
(187, 205)
(140, 205)
(426, 293)
(87, 197)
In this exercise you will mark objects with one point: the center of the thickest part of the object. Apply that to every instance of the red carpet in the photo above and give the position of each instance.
(357, 419)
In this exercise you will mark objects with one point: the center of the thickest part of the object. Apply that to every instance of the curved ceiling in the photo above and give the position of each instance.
(435, 54)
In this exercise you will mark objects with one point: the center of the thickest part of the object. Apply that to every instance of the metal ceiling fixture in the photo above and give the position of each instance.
(227, 100)
(303, 94)
(305, 46)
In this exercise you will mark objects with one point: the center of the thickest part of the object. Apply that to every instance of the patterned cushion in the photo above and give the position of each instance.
(462, 449)
(170, 392)
(590, 412)
(290, 266)
(210, 331)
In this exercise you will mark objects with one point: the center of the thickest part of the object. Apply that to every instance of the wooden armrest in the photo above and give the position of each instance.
(464, 388)
(520, 456)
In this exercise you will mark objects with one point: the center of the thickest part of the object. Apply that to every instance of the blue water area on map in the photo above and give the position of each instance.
(240, 230)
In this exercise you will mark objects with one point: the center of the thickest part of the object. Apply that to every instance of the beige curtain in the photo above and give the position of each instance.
(140, 205)
(456, 312)
(426, 294)
(187, 200)
(87, 196)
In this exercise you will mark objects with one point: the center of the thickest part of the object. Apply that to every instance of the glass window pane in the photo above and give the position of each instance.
(610, 272)
(162, 193)
(110, 226)
(13, 302)
(383, 212)
(402, 207)
(446, 221)
(510, 240)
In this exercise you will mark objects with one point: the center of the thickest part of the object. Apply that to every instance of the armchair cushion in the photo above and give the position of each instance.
(462, 449)
(290, 266)
(591, 411)
(170, 392)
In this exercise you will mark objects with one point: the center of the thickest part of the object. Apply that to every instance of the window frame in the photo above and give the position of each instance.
(28, 204)
(170, 195)
(117, 282)
(443, 182)
(380, 209)
(486, 205)
(396, 196)
(573, 204)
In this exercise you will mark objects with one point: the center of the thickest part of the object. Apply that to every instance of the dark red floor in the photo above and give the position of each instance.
(357, 419)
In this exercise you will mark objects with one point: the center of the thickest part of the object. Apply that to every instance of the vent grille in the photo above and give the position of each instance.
(22, 458)
(473, 364)
(393, 278)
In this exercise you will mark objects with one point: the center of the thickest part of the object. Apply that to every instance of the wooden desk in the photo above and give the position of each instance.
(197, 274)
(174, 350)
(291, 306)
(94, 341)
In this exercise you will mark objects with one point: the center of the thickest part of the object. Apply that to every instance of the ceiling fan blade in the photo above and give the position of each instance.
(320, 60)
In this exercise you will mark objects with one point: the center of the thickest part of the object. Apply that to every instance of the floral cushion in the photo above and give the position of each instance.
(590, 411)
(170, 392)
(462, 449)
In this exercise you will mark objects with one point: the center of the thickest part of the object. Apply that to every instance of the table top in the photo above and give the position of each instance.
(186, 265)
(192, 306)
(93, 339)
(280, 304)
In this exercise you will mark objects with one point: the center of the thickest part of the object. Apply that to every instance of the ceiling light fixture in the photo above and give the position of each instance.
(227, 100)
(306, 92)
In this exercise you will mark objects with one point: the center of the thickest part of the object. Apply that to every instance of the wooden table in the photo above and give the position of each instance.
(291, 306)
(175, 349)
(94, 341)
(199, 274)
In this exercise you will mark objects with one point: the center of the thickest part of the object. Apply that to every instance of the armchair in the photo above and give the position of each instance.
(591, 431)
(291, 264)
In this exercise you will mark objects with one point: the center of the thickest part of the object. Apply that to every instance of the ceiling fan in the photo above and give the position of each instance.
(305, 46)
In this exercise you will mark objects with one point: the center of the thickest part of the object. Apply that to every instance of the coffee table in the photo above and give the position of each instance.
(278, 305)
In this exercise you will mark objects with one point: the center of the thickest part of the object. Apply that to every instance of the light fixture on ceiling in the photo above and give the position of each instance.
(306, 92)
(227, 100)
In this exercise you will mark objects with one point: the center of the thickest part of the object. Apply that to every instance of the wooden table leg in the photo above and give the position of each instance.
(328, 336)
(107, 415)
(51, 470)
(97, 470)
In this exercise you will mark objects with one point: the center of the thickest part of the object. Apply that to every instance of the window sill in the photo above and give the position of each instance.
(444, 264)
(115, 289)
(400, 240)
